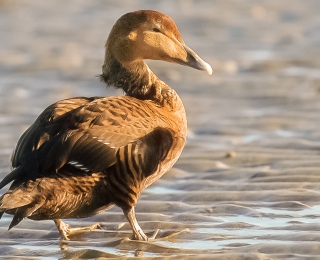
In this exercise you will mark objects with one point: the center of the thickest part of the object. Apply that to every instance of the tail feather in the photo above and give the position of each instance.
(21, 202)
(11, 176)
(23, 212)
(13, 199)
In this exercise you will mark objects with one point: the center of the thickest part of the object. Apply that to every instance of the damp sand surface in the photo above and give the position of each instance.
(247, 185)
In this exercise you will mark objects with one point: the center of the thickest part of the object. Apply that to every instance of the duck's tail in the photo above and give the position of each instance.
(18, 202)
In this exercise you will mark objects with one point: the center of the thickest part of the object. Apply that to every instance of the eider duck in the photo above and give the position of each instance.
(85, 155)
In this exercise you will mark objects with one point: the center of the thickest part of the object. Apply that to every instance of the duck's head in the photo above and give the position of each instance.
(152, 35)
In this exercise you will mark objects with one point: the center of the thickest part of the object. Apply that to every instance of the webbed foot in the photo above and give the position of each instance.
(65, 230)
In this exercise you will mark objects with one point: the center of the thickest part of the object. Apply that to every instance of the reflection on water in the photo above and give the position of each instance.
(284, 133)
(259, 55)
(303, 71)
(251, 138)
(274, 226)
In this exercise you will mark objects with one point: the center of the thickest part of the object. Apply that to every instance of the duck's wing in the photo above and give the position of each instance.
(89, 137)
(44, 128)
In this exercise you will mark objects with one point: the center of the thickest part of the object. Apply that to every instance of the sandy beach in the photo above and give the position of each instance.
(247, 185)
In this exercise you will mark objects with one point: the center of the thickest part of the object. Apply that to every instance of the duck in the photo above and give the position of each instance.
(84, 155)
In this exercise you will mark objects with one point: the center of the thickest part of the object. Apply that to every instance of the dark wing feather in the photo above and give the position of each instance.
(37, 134)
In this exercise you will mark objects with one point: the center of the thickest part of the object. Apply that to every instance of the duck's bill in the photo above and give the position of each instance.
(194, 61)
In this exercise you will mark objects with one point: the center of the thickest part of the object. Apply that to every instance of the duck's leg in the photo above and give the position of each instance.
(138, 234)
(65, 231)
(63, 228)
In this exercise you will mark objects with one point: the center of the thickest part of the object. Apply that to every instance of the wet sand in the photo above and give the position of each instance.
(247, 185)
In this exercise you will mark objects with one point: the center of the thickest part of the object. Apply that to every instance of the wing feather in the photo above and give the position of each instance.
(89, 131)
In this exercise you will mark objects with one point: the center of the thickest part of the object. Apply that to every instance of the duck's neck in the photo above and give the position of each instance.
(137, 80)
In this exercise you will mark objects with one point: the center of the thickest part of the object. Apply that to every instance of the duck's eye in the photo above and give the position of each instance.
(156, 30)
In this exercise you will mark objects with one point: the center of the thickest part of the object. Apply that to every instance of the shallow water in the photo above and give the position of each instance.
(247, 185)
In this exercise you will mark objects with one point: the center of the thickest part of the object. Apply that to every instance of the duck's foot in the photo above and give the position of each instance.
(172, 235)
(65, 231)
(138, 233)
(146, 238)
(153, 237)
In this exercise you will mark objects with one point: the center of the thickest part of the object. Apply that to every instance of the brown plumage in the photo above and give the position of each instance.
(85, 155)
